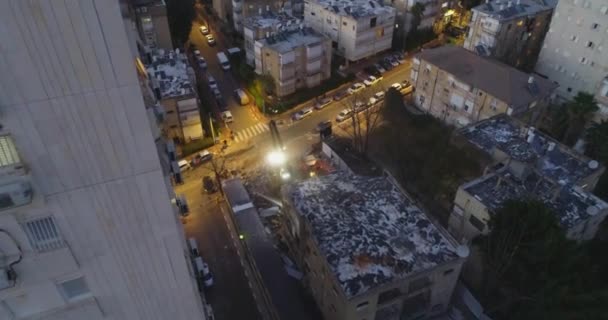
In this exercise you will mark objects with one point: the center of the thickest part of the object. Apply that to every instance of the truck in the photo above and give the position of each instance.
(223, 61)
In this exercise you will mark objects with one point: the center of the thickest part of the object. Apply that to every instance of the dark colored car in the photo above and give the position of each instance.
(323, 125)
(209, 185)
(340, 95)
(386, 64)
(371, 70)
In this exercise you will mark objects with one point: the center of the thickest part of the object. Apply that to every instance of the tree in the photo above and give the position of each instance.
(180, 14)
(217, 166)
(364, 118)
(417, 11)
(597, 148)
(568, 120)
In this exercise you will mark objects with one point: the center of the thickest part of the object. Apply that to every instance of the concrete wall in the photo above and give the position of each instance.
(567, 56)
(465, 206)
(71, 100)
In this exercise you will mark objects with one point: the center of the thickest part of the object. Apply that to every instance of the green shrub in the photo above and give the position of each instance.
(196, 146)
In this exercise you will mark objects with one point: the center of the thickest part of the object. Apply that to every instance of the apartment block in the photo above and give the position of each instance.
(512, 32)
(574, 51)
(529, 165)
(87, 225)
(152, 24)
(294, 59)
(358, 29)
(263, 26)
(460, 87)
(243, 9)
(173, 81)
(367, 251)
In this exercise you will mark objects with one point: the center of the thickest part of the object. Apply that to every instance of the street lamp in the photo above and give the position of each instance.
(276, 158)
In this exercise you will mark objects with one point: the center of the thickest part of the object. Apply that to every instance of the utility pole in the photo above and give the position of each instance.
(212, 129)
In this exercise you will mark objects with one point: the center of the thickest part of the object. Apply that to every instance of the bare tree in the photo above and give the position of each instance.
(217, 166)
(364, 116)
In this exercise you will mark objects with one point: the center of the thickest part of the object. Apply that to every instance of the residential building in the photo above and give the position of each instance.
(357, 28)
(403, 14)
(460, 87)
(223, 9)
(150, 17)
(601, 96)
(530, 165)
(367, 251)
(512, 32)
(574, 52)
(262, 26)
(243, 9)
(173, 81)
(294, 59)
(87, 225)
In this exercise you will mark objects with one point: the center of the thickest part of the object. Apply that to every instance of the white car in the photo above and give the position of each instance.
(322, 103)
(372, 101)
(379, 95)
(201, 62)
(212, 83)
(227, 117)
(371, 80)
(197, 53)
(343, 115)
(396, 86)
(379, 67)
(204, 30)
(356, 87)
(302, 114)
(210, 40)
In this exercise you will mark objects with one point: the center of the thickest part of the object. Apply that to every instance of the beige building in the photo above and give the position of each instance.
(358, 29)
(173, 82)
(87, 225)
(512, 32)
(367, 251)
(530, 165)
(459, 87)
(262, 26)
(294, 59)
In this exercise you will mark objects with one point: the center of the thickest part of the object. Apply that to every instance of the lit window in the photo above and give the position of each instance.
(520, 23)
(75, 289)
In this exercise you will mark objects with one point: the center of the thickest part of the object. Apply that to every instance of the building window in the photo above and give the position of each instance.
(388, 295)
(478, 224)
(419, 284)
(313, 14)
(509, 26)
(595, 26)
(362, 306)
(447, 272)
(6, 201)
(569, 89)
(353, 27)
(75, 289)
(43, 234)
(583, 60)
(590, 44)
(344, 23)
(372, 22)
(170, 111)
(573, 38)
(173, 126)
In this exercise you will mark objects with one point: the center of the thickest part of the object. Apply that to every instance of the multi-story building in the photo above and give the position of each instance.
(173, 82)
(512, 32)
(530, 165)
(152, 25)
(87, 228)
(358, 29)
(263, 26)
(460, 87)
(223, 9)
(294, 59)
(367, 251)
(574, 52)
(243, 9)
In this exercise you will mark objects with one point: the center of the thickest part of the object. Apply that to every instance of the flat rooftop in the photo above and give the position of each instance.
(355, 8)
(521, 143)
(270, 19)
(288, 40)
(522, 8)
(369, 231)
(169, 73)
(570, 203)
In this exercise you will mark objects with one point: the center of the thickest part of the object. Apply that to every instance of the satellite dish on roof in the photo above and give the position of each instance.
(592, 210)
(463, 251)
(593, 164)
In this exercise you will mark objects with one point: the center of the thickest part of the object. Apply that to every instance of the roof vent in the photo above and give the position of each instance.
(592, 210)
(593, 164)
(551, 146)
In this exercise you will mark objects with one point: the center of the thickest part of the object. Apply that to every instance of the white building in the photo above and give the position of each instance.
(575, 51)
(357, 28)
(87, 229)
(243, 9)
(264, 25)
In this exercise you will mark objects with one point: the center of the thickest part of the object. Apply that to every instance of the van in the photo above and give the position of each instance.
(193, 247)
(203, 271)
(227, 117)
(241, 97)
(183, 165)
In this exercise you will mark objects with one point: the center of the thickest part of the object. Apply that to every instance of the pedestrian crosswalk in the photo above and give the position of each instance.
(246, 134)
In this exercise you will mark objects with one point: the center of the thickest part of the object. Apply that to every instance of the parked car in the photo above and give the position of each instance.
(360, 106)
(343, 115)
(183, 165)
(203, 271)
(406, 87)
(241, 97)
(211, 82)
(302, 113)
(227, 117)
(379, 67)
(371, 70)
(216, 93)
(400, 57)
(371, 80)
(209, 185)
(197, 53)
(372, 101)
(204, 156)
(379, 95)
(210, 40)
(392, 61)
(386, 65)
(356, 87)
(204, 30)
(340, 95)
(322, 103)
(397, 86)
(201, 62)
(323, 125)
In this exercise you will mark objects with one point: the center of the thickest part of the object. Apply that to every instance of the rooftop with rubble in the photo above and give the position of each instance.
(169, 72)
(355, 8)
(270, 19)
(369, 232)
(525, 144)
(510, 10)
(289, 40)
(570, 203)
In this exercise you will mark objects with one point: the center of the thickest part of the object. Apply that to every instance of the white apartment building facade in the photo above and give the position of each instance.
(87, 228)
(263, 26)
(575, 51)
(358, 29)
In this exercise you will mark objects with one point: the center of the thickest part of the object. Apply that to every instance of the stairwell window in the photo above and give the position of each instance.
(43, 234)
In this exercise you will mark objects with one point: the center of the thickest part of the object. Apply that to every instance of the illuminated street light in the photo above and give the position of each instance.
(285, 175)
(276, 158)
(241, 236)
